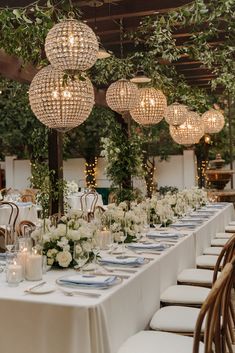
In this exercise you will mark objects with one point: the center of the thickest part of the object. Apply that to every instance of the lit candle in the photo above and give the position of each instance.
(14, 274)
(105, 237)
(21, 257)
(33, 268)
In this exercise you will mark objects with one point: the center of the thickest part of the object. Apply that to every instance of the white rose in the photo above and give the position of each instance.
(61, 229)
(73, 234)
(50, 261)
(86, 246)
(64, 258)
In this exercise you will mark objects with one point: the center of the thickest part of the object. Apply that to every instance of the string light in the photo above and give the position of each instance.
(90, 173)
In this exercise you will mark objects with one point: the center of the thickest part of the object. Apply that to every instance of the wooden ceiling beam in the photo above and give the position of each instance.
(120, 14)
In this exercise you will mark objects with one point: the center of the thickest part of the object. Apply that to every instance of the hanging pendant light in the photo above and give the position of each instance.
(140, 77)
(57, 104)
(122, 96)
(176, 114)
(190, 132)
(151, 106)
(71, 45)
(213, 121)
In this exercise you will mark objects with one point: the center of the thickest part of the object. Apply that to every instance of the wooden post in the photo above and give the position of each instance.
(230, 137)
(55, 161)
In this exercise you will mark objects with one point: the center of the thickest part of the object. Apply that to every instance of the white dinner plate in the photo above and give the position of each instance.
(42, 290)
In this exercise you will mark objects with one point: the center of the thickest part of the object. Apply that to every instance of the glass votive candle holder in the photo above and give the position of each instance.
(14, 270)
(33, 267)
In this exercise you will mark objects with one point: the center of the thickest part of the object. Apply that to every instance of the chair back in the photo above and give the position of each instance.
(225, 256)
(2, 240)
(28, 198)
(14, 212)
(215, 311)
(25, 225)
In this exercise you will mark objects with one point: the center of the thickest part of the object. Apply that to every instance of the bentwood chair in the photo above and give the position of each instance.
(2, 240)
(88, 203)
(194, 294)
(25, 225)
(13, 214)
(167, 318)
(215, 330)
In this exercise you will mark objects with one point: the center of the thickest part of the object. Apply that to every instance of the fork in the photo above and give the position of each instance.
(76, 292)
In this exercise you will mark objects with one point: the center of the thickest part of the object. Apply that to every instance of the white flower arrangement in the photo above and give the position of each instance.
(71, 187)
(58, 242)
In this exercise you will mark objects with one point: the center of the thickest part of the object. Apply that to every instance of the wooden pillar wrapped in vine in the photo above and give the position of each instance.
(55, 161)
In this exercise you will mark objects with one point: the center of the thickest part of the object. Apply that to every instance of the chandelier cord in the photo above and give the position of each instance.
(121, 38)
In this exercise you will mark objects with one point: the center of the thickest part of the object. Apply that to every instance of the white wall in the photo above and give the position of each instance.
(178, 171)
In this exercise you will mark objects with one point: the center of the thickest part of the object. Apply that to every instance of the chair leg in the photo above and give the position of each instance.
(230, 327)
(228, 343)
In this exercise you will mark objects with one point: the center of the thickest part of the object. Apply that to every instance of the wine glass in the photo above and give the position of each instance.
(123, 236)
(96, 250)
(10, 237)
(81, 257)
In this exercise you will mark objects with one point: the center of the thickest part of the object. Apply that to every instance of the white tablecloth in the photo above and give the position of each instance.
(27, 211)
(55, 323)
(74, 201)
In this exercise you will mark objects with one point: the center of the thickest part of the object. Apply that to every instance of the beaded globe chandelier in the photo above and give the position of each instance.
(213, 121)
(176, 114)
(122, 96)
(151, 107)
(190, 131)
(71, 45)
(58, 104)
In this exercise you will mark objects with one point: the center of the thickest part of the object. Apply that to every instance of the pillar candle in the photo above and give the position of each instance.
(105, 237)
(14, 274)
(33, 268)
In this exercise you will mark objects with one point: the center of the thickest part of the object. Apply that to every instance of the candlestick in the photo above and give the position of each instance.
(21, 257)
(33, 268)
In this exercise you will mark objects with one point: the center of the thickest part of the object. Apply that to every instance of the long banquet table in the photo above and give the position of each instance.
(55, 323)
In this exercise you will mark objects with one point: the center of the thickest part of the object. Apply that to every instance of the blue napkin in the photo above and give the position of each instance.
(2, 255)
(89, 280)
(156, 234)
(128, 261)
(24, 203)
(147, 246)
(184, 225)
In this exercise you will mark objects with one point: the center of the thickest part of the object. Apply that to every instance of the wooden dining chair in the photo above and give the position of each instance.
(167, 318)
(23, 225)
(89, 211)
(2, 240)
(213, 308)
(14, 212)
(28, 198)
(204, 276)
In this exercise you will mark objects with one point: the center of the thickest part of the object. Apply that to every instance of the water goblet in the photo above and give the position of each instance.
(123, 238)
(81, 257)
(10, 237)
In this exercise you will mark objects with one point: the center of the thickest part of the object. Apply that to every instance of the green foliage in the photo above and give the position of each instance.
(21, 133)
(23, 30)
(123, 155)
(85, 140)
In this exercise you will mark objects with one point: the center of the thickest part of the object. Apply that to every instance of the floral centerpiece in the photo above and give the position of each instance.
(71, 187)
(58, 242)
(124, 219)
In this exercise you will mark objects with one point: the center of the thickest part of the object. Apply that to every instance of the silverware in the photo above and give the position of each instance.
(127, 270)
(76, 292)
(34, 287)
(111, 273)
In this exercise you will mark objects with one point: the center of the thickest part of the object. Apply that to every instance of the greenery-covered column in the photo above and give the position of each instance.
(123, 153)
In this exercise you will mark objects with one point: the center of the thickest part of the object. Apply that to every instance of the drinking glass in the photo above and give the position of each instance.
(96, 250)
(123, 238)
(81, 257)
(10, 237)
